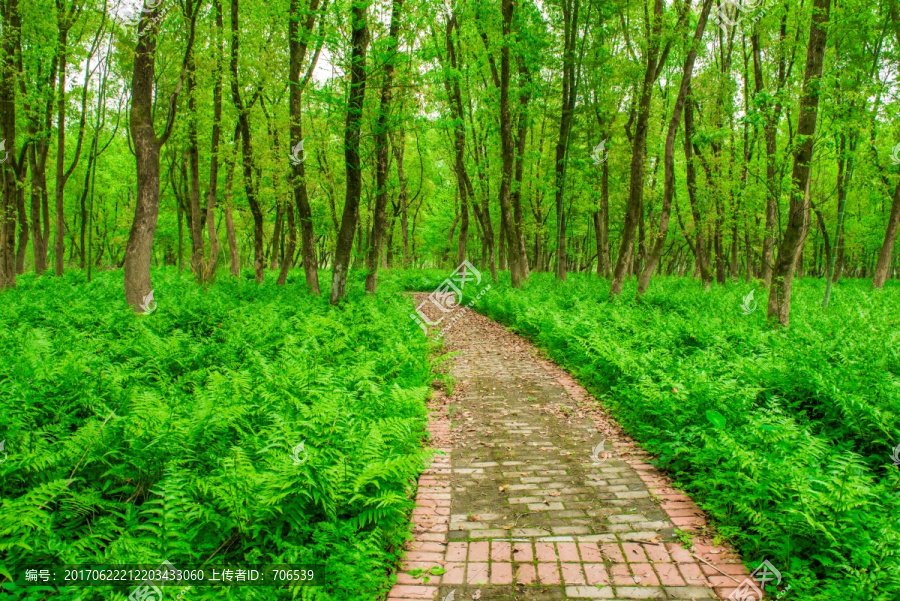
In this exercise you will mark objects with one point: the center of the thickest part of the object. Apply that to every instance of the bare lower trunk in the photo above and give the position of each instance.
(38, 198)
(658, 244)
(298, 42)
(399, 150)
(250, 185)
(887, 247)
(638, 148)
(147, 146)
(701, 255)
(798, 219)
(291, 246)
(379, 220)
(233, 250)
(343, 250)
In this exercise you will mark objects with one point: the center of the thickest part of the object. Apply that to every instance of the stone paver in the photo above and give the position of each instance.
(524, 503)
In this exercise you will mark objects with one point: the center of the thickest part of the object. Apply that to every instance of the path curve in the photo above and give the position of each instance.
(523, 503)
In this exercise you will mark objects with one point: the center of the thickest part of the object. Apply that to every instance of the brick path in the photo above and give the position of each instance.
(523, 504)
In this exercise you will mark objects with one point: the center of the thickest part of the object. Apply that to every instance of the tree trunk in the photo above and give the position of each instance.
(887, 247)
(701, 255)
(507, 150)
(569, 95)
(658, 243)
(250, 186)
(382, 127)
(147, 146)
(359, 43)
(234, 252)
(639, 143)
(798, 221)
(298, 42)
(399, 151)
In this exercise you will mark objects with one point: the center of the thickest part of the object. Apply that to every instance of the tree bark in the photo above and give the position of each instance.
(798, 220)
(659, 241)
(298, 43)
(507, 149)
(382, 133)
(639, 143)
(569, 95)
(250, 186)
(701, 255)
(147, 146)
(359, 43)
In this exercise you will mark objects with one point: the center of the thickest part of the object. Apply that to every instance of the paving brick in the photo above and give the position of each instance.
(589, 592)
(525, 574)
(477, 573)
(478, 552)
(548, 573)
(501, 573)
(523, 552)
(545, 552)
(595, 573)
(572, 573)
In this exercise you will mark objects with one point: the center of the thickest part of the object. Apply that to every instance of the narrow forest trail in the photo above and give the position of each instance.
(524, 505)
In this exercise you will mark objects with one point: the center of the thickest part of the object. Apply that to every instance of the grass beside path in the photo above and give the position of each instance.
(180, 430)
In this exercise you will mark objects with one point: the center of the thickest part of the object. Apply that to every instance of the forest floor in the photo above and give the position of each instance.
(524, 502)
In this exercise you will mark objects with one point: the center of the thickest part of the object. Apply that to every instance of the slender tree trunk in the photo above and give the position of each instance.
(658, 243)
(147, 146)
(234, 252)
(38, 160)
(208, 266)
(569, 94)
(516, 195)
(298, 42)
(250, 186)
(701, 255)
(843, 165)
(198, 249)
(507, 149)
(639, 143)
(887, 247)
(343, 250)
(798, 220)
(399, 151)
(59, 245)
(379, 220)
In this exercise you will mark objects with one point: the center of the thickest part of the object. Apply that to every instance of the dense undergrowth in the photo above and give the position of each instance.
(171, 436)
(784, 436)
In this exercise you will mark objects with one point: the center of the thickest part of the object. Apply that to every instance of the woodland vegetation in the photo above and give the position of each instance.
(529, 136)
(271, 174)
